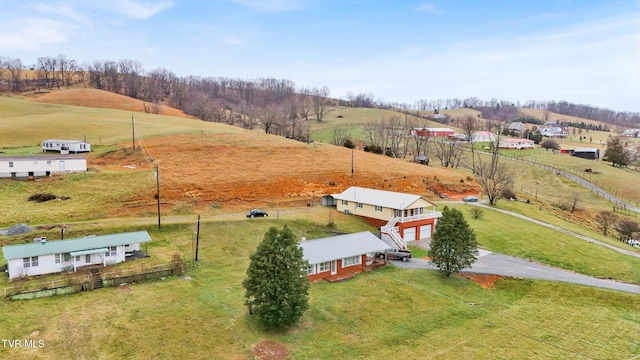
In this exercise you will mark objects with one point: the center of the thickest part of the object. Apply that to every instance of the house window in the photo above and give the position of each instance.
(324, 266)
(310, 270)
(58, 258)
(30, 262)
(87, 259)
(49, 163)
(397, 213)
(67, 257)
(350, 261)
(113, 251)
(10, 163)
(35, 162)
(78, 258)
(344, 202)
(359, 205)
(378, 208)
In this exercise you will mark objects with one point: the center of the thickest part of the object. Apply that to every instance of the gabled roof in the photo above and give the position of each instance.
(71, 245)
(518, 140)
(66, 141)
(341, 246)
(387, 199)
(41, 157)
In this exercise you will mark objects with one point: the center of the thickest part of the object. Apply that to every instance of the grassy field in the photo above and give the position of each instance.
(386, 313)
(27, 123)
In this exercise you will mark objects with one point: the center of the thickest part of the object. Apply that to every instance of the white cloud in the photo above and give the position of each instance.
(430, 8)
(63, 11)
(33, 34)
(270, 5)
(140, 9)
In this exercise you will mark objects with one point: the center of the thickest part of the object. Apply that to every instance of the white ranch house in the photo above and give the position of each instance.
(40, 165)
(401, 217)
(340, 255)
(65, 146)
(49, 257)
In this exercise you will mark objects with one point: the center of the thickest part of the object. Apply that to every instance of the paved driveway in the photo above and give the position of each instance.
(505, 265)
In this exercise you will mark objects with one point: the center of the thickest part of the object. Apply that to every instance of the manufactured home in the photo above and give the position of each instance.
(518, 144)
(66, 146)
(40, 165)
(50, 257)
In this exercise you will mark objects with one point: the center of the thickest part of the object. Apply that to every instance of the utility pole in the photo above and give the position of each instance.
(158, 191)
(351, 162)
(197, 238)
(133, 131)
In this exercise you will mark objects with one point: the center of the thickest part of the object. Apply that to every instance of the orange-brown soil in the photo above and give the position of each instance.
(251, 169)
(485, 280)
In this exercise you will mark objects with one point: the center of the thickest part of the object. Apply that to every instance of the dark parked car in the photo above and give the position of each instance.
(257, 213)
(470, 199)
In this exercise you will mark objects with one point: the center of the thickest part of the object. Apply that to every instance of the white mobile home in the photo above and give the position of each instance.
(48, 257)
(66, 146)
(37, 166)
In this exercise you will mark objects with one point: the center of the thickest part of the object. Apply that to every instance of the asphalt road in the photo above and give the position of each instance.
(504, 265)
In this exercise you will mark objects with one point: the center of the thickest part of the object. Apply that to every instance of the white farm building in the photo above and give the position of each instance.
(66, 146)
(42, 165)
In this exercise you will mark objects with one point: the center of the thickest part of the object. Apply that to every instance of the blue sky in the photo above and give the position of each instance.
(582, 51)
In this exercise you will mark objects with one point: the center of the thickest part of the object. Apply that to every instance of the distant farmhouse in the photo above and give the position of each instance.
(518, 144)
(554, 132)
(631, 133)
(49, 257)
(66, 146)
(431, 132)
(587, 153)
(40, 165)
(516, 126)
(401, 217)
(340, 256)
(483, 136)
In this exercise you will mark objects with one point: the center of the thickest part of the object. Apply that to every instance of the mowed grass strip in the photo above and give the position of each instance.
(389, 313)
(524, 239)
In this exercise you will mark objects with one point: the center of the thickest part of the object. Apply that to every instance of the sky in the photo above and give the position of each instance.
(403, 51)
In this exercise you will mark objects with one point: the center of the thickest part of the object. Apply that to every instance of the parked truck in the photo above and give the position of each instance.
(395, 254)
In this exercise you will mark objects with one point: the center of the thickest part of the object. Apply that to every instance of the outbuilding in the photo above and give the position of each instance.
(49, 257)
(340, 256)
(587, 153)
(66, 146)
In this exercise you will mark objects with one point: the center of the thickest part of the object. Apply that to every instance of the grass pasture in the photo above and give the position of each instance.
(389, 313)
(27, 123)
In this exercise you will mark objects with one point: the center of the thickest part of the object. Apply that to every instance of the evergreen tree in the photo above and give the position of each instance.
(453, 244)
(616, 153)
(277, 286)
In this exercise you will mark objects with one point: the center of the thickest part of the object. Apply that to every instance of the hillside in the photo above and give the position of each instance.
(102, 99)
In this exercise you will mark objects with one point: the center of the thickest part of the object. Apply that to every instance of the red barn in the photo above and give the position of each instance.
(432, 132)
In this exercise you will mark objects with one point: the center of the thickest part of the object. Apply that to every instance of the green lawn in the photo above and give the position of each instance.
(389, 313)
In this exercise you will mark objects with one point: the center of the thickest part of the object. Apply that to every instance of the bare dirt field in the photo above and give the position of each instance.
(251, 169)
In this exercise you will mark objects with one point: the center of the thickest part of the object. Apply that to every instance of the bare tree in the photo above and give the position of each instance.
(572, 201)
(606, 220)
(14, 69)
(627, 229)
(469, 126)
(339, 135)
(319, 98)
(494, 176)
(449, 152)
